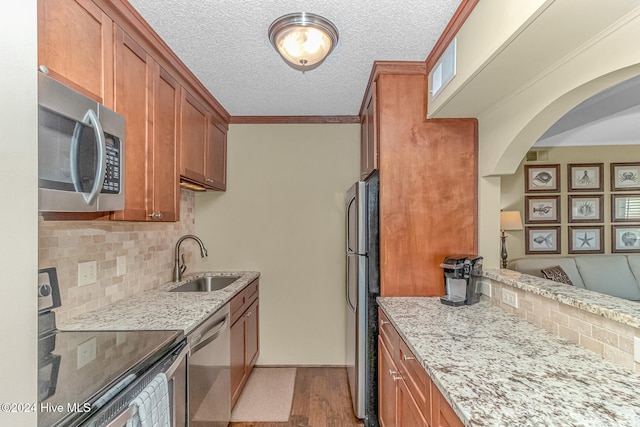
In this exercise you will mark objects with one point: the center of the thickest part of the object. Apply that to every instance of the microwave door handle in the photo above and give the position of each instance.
(73, 157)
(91, 117)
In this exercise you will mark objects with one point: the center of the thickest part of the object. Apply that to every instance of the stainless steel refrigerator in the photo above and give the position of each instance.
(361, 289)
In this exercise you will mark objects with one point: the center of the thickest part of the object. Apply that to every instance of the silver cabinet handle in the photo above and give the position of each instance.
(405, 357)
(395, 375)
(383, 322)
(249, 313)
(155, 215)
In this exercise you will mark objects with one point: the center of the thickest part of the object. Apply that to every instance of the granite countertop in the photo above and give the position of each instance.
(618, 309)
(495, 369)
(160, 309)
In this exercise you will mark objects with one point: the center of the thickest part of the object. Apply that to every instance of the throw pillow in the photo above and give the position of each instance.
(557, 274)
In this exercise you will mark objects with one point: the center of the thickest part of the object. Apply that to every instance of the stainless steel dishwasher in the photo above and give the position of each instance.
(209, 372)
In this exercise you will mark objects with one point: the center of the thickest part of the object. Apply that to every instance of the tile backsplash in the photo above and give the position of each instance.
(148, 249)
(606, 337)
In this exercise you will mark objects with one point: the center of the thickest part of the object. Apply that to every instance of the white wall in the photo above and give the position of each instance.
(283, 215)
(559, 56)
(18, 216)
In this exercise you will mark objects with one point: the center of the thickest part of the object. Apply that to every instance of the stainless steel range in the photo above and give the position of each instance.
(92, 378)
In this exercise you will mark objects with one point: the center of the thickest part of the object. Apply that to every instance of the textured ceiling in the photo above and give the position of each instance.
(225, 44)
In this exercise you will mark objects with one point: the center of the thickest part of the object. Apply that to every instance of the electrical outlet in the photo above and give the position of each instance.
(485, 288)
(87, 273)
(86, 352)
(121, 265)
(636, 349)
(510, 298)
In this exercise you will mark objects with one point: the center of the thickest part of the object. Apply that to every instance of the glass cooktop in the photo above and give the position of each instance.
(79, 371)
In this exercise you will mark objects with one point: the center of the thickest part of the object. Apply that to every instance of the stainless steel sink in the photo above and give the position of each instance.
(206, 284)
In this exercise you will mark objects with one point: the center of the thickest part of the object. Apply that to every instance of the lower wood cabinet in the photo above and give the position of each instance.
(245, 344)
(407, 396)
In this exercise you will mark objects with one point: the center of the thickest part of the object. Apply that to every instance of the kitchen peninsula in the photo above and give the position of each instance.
(495, 369)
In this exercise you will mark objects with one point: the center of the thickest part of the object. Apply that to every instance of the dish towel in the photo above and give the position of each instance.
(151, 406)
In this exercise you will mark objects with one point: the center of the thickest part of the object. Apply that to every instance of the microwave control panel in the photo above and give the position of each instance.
(112, 177)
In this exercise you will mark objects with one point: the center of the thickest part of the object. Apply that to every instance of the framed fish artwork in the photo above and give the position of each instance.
(542, 209)
(625, 176)
(542, 240)
(542, 178)
(586, 208)
(586, 239)
(585, 176)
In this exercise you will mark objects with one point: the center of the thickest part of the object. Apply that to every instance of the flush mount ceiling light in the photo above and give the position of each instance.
(303, 39)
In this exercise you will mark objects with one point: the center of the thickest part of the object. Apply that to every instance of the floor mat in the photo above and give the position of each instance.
(267, 396)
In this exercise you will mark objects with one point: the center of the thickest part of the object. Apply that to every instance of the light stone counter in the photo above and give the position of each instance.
(495, 369)
(617, 309)
(161, 309)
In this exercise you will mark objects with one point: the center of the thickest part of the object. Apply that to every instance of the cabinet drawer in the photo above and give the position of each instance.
(388, 333)
(415, 377)
(242, 301)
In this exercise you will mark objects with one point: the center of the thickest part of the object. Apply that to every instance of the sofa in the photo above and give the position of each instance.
(617, 275)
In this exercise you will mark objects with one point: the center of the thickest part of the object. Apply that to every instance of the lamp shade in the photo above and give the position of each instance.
(303, 40)
(510, 220)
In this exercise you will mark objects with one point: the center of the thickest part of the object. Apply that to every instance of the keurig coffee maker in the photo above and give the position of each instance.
(462, 275)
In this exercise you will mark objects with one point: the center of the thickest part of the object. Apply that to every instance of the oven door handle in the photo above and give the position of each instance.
(121, 419)
(174, 366)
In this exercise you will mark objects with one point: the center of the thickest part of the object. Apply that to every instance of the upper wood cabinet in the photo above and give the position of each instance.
(194, 122)
(368, 135)
(203, 144)
(428, 181)
(166, 154)
(147, 97)
(216, 156)
(105, 50)
(75, 42)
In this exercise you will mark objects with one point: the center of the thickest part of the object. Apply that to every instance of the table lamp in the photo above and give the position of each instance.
(509, 221)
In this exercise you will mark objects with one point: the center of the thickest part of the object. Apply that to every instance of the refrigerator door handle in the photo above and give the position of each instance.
(347, 289)
(350, 204)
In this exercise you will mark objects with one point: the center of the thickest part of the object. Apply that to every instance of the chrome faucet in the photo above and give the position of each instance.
(179, 269)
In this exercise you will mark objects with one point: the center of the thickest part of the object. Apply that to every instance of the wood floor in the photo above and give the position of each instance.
(320, 399)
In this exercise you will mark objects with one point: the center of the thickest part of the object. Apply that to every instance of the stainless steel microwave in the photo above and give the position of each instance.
(80, 151)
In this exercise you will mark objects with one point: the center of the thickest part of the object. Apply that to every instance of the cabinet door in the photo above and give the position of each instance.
(133, 78)
(193, 137)
(408, 414)
(252, 336)
(386, 387)
(442, 413)
(216, 156)
(368, 136)
(164, 174)
(75, 41)
(237, 358)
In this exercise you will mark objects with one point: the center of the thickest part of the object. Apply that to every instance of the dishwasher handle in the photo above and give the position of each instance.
(208, 335)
